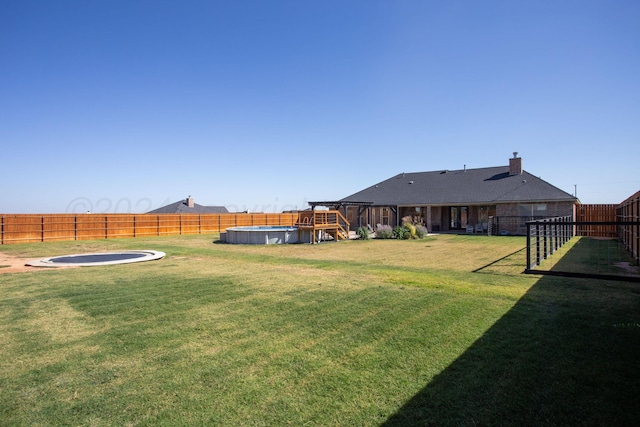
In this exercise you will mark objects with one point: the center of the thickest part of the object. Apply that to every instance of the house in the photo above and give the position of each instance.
(188, 206)
(473, 200)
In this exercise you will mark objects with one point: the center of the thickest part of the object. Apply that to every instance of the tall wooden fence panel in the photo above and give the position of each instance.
(26, 228)
(122, 225)
(59, 227)
(596, 213)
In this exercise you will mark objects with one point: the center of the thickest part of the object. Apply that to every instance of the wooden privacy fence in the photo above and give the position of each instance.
(26, 228)
(599, 214)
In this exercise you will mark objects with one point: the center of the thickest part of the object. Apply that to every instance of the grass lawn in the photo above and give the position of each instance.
(590, 255)
(441, 331)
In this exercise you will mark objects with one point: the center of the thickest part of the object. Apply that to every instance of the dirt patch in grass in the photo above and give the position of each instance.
(9, 264)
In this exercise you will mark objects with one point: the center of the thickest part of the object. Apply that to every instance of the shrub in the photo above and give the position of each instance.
(399, 232)
(384, 232)
(421, 231)
(363, 233)
(410, 228)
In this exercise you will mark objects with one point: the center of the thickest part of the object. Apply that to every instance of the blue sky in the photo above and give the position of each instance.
(124, 106)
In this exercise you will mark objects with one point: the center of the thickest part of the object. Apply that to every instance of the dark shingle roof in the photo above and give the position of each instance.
(182, 207)
(470, 186)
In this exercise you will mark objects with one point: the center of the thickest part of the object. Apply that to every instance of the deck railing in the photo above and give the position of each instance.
(328, 221)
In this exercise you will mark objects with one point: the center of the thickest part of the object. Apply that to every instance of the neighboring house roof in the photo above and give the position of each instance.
(182, 206)
(469, 186)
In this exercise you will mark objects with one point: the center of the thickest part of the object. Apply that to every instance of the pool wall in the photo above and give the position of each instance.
(261, 235)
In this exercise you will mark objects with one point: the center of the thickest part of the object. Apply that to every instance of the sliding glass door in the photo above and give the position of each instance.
(458, 217)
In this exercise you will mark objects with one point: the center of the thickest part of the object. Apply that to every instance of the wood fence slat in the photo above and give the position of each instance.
(58, 227)
(597, 213)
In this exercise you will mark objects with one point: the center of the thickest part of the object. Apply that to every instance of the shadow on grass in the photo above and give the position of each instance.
(595, 258)
(566, 354)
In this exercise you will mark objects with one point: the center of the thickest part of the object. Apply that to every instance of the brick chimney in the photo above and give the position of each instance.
(515, 164)
(190, 202)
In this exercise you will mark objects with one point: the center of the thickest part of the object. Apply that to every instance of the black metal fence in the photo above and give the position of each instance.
(545, 236)
(593, 257)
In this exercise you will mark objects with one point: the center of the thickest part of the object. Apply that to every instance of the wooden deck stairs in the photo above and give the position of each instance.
(324, 225)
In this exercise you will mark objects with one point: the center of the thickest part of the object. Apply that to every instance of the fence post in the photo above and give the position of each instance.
(544, 240)
(550, 221)
(2, 230)
(528, 246)
(42, 228)
(537, 243)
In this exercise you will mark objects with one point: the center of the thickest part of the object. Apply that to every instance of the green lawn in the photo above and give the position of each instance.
(441, 331)
(590, 255)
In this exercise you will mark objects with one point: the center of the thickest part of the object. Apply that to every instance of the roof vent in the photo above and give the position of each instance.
(410, 182)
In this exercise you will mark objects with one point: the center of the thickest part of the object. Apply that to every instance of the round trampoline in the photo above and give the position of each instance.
(95, 259)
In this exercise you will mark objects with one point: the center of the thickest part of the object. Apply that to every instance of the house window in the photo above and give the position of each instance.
(533, 210)
(385, 216)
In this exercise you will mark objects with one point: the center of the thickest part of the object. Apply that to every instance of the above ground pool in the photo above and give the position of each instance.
(102, 258)
(265, 235)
